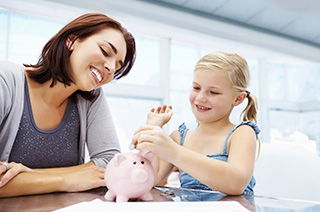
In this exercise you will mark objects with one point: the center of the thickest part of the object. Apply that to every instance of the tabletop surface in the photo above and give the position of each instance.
(54, 201)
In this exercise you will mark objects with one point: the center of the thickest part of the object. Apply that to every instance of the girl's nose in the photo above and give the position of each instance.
(201, 97)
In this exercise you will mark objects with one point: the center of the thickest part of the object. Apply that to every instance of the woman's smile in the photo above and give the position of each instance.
(96, 74)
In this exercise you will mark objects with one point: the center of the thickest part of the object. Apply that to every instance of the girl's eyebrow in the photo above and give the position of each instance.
(214, 87)
(115, 51)
(209, 87)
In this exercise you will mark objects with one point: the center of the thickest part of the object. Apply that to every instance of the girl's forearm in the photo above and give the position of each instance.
(216, 174)
(164, 170)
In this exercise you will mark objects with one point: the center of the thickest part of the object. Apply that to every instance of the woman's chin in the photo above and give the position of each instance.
(88, 88)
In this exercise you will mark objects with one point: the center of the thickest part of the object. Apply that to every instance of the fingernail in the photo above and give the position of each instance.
(1, 183)
(135, 151)
(132, 147)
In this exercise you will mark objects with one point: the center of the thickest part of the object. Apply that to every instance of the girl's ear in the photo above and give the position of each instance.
(240, 97)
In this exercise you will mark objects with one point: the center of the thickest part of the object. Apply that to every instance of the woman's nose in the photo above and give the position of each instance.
(110, 66)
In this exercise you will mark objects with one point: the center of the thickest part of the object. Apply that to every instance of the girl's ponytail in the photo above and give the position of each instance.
(250, 112)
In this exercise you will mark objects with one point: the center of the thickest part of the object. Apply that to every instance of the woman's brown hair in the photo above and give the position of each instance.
(54, 60)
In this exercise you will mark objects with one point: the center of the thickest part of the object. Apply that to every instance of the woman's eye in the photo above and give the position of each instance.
(104, 52)
(196, 88)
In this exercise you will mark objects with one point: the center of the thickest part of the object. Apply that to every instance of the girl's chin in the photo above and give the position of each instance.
(202, 117)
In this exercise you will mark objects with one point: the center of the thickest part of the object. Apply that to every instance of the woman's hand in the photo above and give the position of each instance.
(152, 138)
(9, 170)
(159, 116)
(83, 179)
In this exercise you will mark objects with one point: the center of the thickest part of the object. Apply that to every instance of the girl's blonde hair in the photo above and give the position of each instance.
(237, 69)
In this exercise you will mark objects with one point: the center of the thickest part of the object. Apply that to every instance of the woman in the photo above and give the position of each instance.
(49, 111)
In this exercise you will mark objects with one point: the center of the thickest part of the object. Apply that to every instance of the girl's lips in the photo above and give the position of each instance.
(202, 108)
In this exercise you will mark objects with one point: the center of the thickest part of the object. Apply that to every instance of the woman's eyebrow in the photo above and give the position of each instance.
(112, 47)
(115, 51)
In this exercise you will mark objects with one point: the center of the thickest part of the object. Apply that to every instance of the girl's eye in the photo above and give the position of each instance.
(215, 93)
(104, 52)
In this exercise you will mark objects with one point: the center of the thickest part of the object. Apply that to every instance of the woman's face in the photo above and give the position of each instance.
(95, 59)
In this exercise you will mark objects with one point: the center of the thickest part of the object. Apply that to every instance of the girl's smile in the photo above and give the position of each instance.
(201, 108)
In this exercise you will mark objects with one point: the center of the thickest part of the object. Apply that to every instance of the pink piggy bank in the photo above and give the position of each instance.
(129, 175)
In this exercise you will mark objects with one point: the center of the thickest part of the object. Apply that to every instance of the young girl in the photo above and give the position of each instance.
(217, 155)
(50, 110)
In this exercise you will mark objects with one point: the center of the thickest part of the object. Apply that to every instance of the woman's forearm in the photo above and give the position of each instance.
(27, 183)
(66, 179)
(65, 169)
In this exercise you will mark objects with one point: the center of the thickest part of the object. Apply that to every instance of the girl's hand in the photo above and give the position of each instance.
(153, 139)
(9, 170)
(159, 116)
(83, 179)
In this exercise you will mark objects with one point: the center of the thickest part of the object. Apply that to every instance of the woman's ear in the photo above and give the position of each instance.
(70, 42)
(240, 97)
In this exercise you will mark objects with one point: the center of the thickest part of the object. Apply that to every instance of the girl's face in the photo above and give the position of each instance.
(94, 60)
(212, 96)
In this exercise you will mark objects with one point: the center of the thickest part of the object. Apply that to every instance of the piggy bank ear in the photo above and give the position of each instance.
(150, 156)
(119, 158)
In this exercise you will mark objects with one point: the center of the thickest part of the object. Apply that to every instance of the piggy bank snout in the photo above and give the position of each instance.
(139, 176)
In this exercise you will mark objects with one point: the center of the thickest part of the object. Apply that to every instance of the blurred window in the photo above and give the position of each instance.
(27, 37)
(146, 70)
(128, 114)
(3, 34)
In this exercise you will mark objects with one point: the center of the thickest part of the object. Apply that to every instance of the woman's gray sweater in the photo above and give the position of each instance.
(97, 130)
